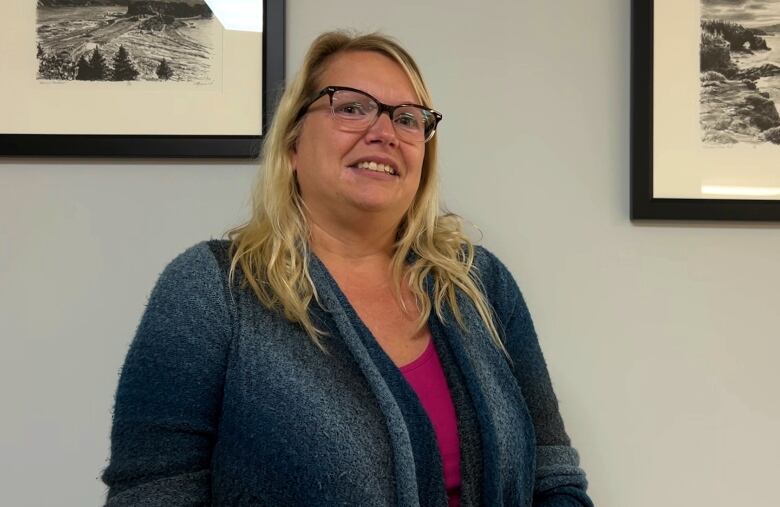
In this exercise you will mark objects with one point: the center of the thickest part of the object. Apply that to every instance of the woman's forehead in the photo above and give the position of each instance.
(372, 72)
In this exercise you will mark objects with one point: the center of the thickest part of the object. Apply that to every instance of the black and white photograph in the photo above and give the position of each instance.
(705, 110)
(740, 72)
(139, 77)
(125, 40)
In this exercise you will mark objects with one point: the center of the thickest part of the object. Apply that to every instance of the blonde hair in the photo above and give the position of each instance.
(272, 247)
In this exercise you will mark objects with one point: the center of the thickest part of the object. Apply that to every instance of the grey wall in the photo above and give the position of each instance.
(661, 339)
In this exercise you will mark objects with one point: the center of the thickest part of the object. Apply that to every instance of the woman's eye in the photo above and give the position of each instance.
(408, 120)
(351, 109)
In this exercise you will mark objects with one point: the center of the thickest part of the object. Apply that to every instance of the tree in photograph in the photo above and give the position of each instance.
(41, 55)
(164, 71)
(83, 69)
(124, 70)
(60, 66)
(99, 69)
(740, 39)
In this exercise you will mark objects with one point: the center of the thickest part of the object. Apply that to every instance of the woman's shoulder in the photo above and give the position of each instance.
(492, 272)
(198, 272)
(205, 258)
(499, 285)
(203, 251)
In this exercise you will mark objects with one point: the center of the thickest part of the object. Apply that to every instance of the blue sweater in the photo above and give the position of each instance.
(224, 402)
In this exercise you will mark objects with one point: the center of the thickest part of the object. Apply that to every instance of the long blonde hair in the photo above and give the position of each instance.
(272, 247)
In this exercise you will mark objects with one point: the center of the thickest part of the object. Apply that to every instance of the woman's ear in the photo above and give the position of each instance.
(294, 153)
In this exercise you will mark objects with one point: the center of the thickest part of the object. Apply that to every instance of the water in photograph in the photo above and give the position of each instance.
(769, 84)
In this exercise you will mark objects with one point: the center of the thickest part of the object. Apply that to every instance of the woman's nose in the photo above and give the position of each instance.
(382, 130)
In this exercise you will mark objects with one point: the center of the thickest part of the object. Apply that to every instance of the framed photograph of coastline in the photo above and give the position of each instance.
(705, 94)
(139, 78)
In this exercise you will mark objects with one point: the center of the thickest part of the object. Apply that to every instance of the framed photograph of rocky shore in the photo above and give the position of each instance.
(139, 78)
(705, 95)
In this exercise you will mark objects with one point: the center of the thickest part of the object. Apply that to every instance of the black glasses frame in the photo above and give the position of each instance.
(382, 107)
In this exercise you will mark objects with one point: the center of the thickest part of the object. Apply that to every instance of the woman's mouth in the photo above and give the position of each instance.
(376, 167)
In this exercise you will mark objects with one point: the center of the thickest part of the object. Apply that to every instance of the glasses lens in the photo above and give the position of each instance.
(354, 110)
(413, 123)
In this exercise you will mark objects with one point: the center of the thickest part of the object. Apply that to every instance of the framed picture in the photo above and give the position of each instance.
(705, 92)
(139, 78)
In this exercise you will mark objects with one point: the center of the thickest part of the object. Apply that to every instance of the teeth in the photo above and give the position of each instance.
(373, 166)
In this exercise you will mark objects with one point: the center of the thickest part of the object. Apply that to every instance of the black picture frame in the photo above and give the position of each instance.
(644, 205)
(164, 146)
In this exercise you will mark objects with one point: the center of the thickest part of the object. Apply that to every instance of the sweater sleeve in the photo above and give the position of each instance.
(170, 389)
(559, 481)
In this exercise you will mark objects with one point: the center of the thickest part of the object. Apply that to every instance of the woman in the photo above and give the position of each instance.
(348, 345)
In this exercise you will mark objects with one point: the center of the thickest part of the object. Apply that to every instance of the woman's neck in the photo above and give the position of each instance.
(354, 254)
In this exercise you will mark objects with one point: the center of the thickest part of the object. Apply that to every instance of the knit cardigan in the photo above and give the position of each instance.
(222, 401)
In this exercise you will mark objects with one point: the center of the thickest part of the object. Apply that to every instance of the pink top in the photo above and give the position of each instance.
(426, 377)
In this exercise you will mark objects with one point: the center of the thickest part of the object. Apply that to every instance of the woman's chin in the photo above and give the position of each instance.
(376, 202)
(372, 205)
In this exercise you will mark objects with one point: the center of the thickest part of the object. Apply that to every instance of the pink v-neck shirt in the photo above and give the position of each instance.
(426, 376)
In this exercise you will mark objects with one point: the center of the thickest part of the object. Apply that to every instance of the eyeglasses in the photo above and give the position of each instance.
(357, 111)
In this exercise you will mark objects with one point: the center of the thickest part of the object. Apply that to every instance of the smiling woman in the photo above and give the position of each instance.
(336, 157)
(348, 345)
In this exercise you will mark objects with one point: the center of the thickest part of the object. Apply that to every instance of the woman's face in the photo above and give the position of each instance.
(327, 158)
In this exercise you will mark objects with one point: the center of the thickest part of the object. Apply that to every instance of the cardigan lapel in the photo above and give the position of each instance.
(468, 424)
(406, 482)
(505, 427)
